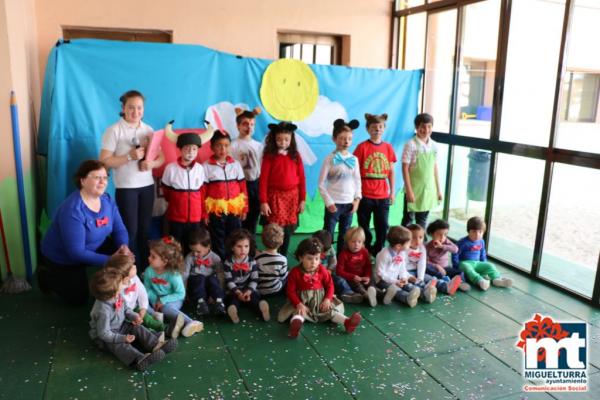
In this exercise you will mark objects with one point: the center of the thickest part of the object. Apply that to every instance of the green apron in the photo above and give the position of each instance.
(422, 179)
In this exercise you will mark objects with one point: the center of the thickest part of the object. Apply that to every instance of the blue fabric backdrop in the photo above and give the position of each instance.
(84, 79)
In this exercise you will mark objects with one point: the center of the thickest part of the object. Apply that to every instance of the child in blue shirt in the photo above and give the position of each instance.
(472, 259)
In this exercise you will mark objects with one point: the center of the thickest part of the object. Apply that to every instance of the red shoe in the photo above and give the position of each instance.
(295, 327)
(351, 323)
(454, 284)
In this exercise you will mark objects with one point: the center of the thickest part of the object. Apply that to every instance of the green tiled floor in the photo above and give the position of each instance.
(459, 347)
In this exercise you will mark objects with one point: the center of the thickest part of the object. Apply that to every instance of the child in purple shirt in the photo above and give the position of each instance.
(437, 257)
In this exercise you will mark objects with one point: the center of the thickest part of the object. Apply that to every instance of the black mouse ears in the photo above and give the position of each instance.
(340, 123)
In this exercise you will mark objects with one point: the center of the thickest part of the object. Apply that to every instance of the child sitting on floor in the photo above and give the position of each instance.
(200, 274)
(164, 284)
(392, 275)
(472, 259)
(272, 266)
(437, 258)
(116, 328)
(241, 276)
(310, 292)
(354, 269)
(416, 262)
(135, 294)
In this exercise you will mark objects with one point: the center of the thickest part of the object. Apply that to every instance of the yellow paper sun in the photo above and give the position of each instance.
(289, 90)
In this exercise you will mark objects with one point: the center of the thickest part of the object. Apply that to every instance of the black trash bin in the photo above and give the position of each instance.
(479, 173)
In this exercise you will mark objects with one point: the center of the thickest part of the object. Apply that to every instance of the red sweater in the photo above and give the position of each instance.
(351, 264)
(299, 281)
(280, 172)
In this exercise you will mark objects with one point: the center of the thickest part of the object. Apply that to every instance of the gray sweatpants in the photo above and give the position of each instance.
(128, 353)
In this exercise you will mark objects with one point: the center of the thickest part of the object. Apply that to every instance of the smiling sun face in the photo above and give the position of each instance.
(289, 90)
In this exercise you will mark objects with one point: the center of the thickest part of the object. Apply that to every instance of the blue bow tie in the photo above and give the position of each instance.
(338, 159)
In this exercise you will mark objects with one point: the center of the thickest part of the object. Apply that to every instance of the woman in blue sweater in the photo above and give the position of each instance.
(85, 230)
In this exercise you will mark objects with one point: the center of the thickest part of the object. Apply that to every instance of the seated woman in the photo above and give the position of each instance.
(85, 229)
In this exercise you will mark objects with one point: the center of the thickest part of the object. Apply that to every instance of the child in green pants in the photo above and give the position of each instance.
(472, 259)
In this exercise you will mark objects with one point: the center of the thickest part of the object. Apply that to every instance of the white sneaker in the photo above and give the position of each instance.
(484, 284)
(175, 326)
(233, 314)
(430, 294)
(192, 328)
(464, 287)
(371, 296)
(390, 292)
(502, 282)
(264, 309)
(160, 317)
(413, 297)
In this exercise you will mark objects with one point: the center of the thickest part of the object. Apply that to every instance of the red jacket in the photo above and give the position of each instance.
(299, 281)
(351, 264)
(280, 172)
(183, 188)
(225, 188)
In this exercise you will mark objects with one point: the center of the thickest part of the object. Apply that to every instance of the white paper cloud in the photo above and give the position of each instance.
(320, 122)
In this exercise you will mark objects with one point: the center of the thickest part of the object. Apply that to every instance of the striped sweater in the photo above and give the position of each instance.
(272, 272)
(241, 275)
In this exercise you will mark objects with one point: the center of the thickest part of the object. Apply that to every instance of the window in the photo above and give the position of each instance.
(312, 48)
(128, 35)
(580, 97)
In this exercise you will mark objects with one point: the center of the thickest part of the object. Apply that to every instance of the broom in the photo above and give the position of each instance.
(11, 284)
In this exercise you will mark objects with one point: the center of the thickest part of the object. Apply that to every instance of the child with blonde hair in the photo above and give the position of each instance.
(164, 284)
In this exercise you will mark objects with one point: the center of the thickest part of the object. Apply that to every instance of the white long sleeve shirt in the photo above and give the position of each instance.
(135, 294)
(339, 184)
(417, 261)
(391, 266)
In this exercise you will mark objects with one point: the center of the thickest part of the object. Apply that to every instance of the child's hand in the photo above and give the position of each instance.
(392, 199)
(243, 216)
(440, 197)
(265, 209)
(354, 206)
(412, 279)
(158, 306)
(325, 305)
(332, 208)
(357, 279)
(206, 220)
(142, 313)
(137, 154)
(145, 165)
(441, 270)
(366, 280)
(247, 295)
(437, 244)
(129, 338)
(410, 196)
(302, 309)
(138, 320)
(239, 295)
(301, 207)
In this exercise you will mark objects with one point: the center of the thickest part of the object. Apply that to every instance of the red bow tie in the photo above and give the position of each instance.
(241, 267)
(416, 254)
(397, 259)
(101, 221)
(205, 262)
(159, 281)
(477, 247)
(119, 303)
(130, 289)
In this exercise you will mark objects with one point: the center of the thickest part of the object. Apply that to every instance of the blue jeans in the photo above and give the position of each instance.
(380, 208)
(171, 310)
(341, 285)
(343, 214)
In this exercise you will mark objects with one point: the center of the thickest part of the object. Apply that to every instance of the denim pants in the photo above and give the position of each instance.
(343, 215)
(380, 208)
(201, 286)
(171, 310)
(451, 272)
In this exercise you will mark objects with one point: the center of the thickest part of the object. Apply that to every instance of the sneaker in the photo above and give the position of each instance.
(429, 294)
(149, 359)
(389, 294)
(160, 317)
(264, 310)
(484, 284)
(202, 308)
(169, 346)
(464, 287)
(351, 323)
(176, 325)
(218, 308)
(160, 343)
(454, 284)
(413, 297)
(371, 296)
(295, 327)
(352, 297)
(233, 314)
(502, 282)
(191, 328)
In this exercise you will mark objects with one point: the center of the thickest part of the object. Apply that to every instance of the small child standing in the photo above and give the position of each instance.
(164, 284)
(339, 182)
(391, 269)
(135, 294)
(200, 274)
(420, 172)
(437, 258)
(272, 266)
(282, 187)
(310, 293)
(248, 152)
(416, 263)
(241, 276)
(226, 203)
(376, 160)
(182, 183)
(354, 268)
(472, 259)
(116, 328)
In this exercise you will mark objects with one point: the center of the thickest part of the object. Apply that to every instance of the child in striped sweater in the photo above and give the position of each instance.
(241, 276)
(272, 266)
